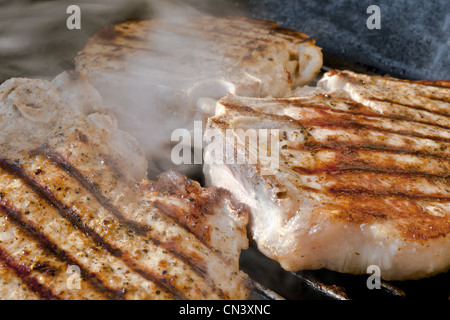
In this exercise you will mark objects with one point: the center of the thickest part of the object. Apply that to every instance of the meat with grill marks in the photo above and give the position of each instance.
(170, 71)
(363, 175)
(79, 219)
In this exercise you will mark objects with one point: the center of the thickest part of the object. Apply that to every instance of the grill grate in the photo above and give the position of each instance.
(274, 283)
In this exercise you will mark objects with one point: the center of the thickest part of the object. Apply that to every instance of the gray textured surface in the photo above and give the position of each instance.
(413, 42)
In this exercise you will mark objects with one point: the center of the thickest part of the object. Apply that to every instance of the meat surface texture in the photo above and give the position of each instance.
(79, 219)
(362, 176)
(170, 72)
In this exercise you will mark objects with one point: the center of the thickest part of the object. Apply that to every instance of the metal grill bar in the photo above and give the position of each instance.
(332, 291)
(273, 283)
(261, 292)
(392, 289)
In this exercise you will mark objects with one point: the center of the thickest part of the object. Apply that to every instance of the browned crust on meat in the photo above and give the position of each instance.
(437, 83)
(371, 178)
(69, 180)
(242, 39)
(201, 202)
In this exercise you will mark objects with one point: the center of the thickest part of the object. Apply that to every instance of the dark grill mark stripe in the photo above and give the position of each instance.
(332, 122)
(434, 83)
(357, 110)
(415, 107)
(168, 212)
(385, 193)
(379, 145)
(238, 36)
(352, 192)
(266, 29)
(194, 265)
(24, 273)
(354, 125)
(422, 87)
(391, 183)
(389, 81)
(342, 187)
(31, 230)
(89, 186)
(335, 119)
(76, 220)
(336, 169)
(6, 272)
(139, 228)
(345, 146)
(435, 98)
(342, 146)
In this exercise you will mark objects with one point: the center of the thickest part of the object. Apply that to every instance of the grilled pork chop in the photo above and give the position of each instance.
(360, 182)
(79, 220)
(171, 71)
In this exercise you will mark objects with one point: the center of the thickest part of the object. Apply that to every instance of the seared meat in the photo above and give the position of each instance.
(426, 103)
(12, 286)
(171, 71)
(359, 182)
(79, 220)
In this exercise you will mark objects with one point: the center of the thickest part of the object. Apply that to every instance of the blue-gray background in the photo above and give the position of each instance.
(413, 42)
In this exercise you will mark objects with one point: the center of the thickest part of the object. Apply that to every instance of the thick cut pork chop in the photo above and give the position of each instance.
(360, 182)
(79, 220)
(171, 71)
